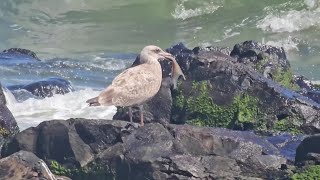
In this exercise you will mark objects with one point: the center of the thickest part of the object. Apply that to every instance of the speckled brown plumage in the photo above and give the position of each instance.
(138, 84)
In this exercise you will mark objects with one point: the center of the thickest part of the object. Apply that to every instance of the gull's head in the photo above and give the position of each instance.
(154, 53)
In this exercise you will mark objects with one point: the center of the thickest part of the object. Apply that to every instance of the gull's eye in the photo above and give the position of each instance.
(157, 50)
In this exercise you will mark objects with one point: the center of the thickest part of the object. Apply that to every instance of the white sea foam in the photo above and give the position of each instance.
(312, 4)
(181, 12)
(289, 44)
(290, 21)
(72, 105)
(229, 33)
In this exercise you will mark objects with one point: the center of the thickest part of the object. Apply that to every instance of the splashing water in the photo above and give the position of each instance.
(72, 105)
(181, 12)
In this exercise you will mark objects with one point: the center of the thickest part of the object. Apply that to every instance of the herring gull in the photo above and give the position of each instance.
(138, 84)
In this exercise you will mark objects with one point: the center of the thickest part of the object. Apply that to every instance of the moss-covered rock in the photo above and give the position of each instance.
(286, 79)
(287, 126)
(91, 171)
(284, 76)
(4, 132)
(244, 112)
(201, 109)
(309, 173)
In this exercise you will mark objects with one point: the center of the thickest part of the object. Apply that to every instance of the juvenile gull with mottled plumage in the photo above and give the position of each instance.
(138, 84)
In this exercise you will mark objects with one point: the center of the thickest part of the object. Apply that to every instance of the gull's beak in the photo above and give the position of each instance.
(166, 55)
(176, 70)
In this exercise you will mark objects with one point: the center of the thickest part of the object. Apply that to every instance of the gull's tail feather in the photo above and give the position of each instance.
(93, 102)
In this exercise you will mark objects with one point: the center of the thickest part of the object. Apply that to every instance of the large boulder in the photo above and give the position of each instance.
(44, 88)
(229, 92)
(24, 165)
(18, 53)
(308, 152)
(153, 151)
(46, 141)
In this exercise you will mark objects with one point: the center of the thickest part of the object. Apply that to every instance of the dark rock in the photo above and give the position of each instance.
(223, 50)
(227, 92)
(313, 94)
(8, 124)
(24, 165)
(47, 140)
(7, 121)
(153, 151)
(286, 143)
(308, 89)
(2, 96)
(251, 53)
(45, 88)
(20, 51)
(308, 150)
(304, 83)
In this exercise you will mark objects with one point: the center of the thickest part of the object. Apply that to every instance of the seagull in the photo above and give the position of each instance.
(136, 85)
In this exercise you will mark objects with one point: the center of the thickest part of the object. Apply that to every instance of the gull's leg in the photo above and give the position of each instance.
(130, 114)
(141, 114)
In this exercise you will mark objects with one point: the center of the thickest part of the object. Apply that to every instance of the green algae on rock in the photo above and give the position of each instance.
(311, 172)
(285, 125)
(90, 171)
(244, 112)
(201, 109)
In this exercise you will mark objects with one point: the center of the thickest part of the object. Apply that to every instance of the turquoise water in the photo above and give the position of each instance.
(89, 41)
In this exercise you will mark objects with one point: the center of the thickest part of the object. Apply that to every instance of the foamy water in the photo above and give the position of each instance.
(292, 20)
(72, 105)
(181, 12)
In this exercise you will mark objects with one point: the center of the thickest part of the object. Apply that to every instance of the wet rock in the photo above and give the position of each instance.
(304, 83)
(223, 50)
(286, 143)
(44, 88)
(252, 53)
(19, 52)
(228, 92)
(308, 152)
(24, 165)
(153, 151)
(8, 124)
(46, 141)
(308, 89)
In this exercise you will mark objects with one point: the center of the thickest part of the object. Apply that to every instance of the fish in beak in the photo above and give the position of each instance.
(176, 71)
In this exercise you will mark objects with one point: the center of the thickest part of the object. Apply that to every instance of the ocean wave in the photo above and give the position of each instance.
(289, 44)
(181, 12)
(290, 21)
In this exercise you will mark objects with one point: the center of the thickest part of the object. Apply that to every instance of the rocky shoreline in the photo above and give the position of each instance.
(241, 114)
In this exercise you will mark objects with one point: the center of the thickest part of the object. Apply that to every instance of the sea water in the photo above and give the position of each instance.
(88, 42)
